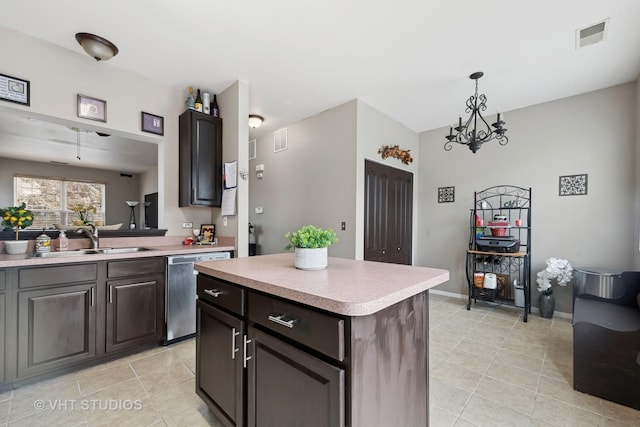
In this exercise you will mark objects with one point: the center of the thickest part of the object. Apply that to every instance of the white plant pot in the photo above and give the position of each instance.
(16, 246)
(311, 259)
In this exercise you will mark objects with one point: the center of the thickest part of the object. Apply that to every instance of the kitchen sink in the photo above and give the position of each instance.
(91, 252)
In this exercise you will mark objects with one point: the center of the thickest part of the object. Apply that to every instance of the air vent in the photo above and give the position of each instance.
(280, 140)
(592, 34)
(252, 149)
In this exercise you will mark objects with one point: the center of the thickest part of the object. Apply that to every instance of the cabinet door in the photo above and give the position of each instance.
(219, 367)
(56, 327)
(288, 387)
(200, 159)
(134, 311)
(2, 337)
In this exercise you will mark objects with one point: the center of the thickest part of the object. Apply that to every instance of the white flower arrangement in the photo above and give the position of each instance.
(557, 269)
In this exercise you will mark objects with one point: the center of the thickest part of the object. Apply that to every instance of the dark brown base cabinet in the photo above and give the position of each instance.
(68, 316)
(266, 361)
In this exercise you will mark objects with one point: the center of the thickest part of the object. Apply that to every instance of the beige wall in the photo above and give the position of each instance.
(312, 182)
(594, 133)
(57, 75)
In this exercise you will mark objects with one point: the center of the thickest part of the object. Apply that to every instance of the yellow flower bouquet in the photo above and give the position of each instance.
(83, 211)
(16, 217)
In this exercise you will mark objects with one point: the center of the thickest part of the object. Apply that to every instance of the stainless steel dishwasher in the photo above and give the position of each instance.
(180, 303)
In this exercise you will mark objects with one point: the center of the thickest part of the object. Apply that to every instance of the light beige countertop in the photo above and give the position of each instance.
(159, 246)
(346, 286)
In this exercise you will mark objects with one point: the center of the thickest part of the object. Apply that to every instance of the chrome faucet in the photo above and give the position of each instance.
(92, 234)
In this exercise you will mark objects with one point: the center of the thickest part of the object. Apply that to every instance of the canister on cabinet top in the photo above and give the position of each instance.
(43, 243)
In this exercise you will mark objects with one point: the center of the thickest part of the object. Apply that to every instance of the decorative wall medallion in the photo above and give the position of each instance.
(396, 152)
(573, 185)
(446, 194)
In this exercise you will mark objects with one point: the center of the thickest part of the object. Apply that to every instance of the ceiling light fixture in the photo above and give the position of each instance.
(472, 133)
(255, 121)
(97, 47)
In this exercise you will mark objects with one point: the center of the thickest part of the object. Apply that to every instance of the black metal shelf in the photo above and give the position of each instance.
(499, 200)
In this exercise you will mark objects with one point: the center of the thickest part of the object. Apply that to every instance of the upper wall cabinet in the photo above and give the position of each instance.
(200, 159)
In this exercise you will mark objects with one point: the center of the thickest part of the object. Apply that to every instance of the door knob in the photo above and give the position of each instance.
(398, 249)
(384, 252)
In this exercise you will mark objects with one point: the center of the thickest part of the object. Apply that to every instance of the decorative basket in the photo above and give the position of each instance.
(484, 294)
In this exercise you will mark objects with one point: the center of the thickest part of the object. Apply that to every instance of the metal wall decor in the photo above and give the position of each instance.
(446, 194)
(396, 152)
(476, 131)
(573, 185)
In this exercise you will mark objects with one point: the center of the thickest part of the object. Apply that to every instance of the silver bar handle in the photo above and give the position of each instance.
(92, 296)
(234, 350)
(280, 321)
(213, 292)
(110, 294)
(245, 358)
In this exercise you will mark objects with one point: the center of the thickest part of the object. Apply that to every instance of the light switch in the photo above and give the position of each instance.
(259, 210)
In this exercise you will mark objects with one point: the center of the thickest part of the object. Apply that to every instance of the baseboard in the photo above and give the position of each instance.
(464, 297)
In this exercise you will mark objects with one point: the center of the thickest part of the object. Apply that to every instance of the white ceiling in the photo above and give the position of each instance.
(410, 59)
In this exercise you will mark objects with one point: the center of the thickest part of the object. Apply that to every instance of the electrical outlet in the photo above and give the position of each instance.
(224, 221)
(343, 225)
(187, 225)
(259, 210)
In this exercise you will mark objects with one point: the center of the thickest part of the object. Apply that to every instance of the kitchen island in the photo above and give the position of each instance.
(347, 345)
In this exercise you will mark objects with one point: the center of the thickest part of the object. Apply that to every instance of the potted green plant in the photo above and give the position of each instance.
(310, 244)
(16, 217)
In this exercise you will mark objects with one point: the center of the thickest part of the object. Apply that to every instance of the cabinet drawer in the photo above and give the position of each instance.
(135, 267)
(69, 273)
(221, 293)
(311, 328)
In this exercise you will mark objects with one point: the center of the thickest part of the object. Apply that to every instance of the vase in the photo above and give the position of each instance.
(546, 305)
(311, 259)
(14, 247)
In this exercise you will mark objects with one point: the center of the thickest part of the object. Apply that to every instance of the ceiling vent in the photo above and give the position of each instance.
(592, 34)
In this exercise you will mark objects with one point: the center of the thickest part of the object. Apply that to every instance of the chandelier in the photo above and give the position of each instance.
(476, 131)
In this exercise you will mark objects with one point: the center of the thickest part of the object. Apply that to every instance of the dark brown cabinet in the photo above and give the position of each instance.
(54, 317)
(219, 363)
(287, 386)
(305, 366)
(56, 327)
(3, 287)
(135, 304)
(200, 159)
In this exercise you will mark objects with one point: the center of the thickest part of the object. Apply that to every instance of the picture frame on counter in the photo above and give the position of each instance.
(13, 89)
(92, 108)
(151, 123)
(207, 233)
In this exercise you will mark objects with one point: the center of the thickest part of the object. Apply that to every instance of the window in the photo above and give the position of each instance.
(51, 199)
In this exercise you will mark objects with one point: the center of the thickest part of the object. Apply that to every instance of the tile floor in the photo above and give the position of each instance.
(488, 368)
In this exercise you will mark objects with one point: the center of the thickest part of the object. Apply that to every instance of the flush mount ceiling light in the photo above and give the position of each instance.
(97, 47)
(255, 121)
(476, 131)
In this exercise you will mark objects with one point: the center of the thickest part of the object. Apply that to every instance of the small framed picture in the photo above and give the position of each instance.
(152, 123)
(92, 108)
(13, 89)
(207, 233)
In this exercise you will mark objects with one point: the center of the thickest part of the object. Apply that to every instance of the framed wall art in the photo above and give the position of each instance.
(92, 108)
(573, 185)
(152, 123)
(446, 194)
(13, 89)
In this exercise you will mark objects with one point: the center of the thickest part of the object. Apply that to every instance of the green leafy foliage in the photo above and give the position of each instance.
(310, 237)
